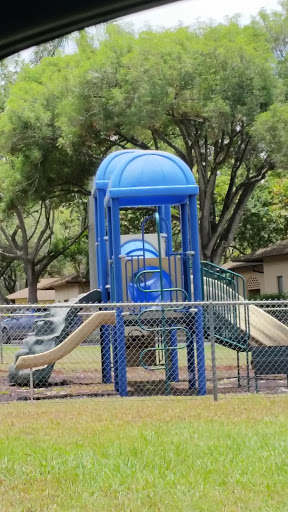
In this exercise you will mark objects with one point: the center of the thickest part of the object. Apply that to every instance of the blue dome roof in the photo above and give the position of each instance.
(147, 178)
(107, 167)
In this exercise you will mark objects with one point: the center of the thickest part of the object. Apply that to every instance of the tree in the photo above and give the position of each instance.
(49, 49)
(198, 93)
(39, 175)
(265, 218)
(10, 272)
(32, 240)
(35, 158)
(275, 24)
(9, 69)
(205, 94)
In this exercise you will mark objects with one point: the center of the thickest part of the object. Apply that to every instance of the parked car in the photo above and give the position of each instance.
(19, 323)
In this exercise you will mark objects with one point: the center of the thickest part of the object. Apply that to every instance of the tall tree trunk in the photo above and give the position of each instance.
(3, 298)
(32, 281)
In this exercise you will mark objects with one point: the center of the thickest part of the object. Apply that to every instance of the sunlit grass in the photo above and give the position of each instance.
(169, 455)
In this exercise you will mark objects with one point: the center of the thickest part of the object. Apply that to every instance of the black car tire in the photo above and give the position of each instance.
(5, 337)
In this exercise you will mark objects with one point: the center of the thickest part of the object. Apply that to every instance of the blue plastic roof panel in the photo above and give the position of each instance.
(151, 178)
(107, 167)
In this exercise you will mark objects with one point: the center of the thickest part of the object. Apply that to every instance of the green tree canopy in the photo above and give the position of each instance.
(213, 95)
(199, 93)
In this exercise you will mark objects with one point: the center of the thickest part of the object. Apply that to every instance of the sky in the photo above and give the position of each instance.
(188, 12)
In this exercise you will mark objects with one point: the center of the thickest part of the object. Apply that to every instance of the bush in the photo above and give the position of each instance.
(270, 296)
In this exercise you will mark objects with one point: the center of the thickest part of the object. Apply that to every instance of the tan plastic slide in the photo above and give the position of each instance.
(73, 340)
(264, 329)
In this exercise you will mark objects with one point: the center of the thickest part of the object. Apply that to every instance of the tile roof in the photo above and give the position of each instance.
(273, 250)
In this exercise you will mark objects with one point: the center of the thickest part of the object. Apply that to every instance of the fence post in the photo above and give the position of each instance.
(31, 385)
(121, 352)
(238, 370)
(213, 351)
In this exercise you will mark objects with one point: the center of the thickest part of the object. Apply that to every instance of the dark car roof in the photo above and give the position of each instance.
(24, 24)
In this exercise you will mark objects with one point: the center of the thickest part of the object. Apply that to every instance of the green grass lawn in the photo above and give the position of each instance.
(88, 357)
(126, 455)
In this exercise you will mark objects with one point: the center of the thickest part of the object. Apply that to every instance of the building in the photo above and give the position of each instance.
(265, 271)
(56, 289)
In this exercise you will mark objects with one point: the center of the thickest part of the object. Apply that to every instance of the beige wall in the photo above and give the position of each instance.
(250, 275)
(273, 267)
(69, 291)
(25, 301)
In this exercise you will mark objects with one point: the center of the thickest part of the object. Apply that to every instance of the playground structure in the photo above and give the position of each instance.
(143, 270)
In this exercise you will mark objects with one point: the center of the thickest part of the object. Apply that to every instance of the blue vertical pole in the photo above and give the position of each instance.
(121, 353)
(117, 270)
(97, 242)
(197, 287)
(173, 375)
(102, 244)
(116, 244)
(110, 253)
(185, 245)
(167, 217)
(111, 279)
(102, 273)
(187, 286)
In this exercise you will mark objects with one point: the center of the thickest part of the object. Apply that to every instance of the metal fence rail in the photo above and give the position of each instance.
(172, 349)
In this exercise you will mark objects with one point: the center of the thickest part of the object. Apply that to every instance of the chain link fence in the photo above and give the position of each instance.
(218, 348)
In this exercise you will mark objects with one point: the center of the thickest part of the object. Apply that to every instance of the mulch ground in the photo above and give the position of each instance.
(77, 384)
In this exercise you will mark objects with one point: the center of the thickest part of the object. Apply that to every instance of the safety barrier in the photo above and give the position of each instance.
(143, 349)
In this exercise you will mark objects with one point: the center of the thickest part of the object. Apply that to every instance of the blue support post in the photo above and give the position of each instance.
(102, 244)
(185, 246)
(102, 273)
(174, 367)
(111, 278)
(187, 286)
(116, 243)
(117, 271)
(121, 353)
(97, 242)
(197, 288)
(110, 253)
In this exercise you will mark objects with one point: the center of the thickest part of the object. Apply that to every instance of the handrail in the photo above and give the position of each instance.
(152, 271)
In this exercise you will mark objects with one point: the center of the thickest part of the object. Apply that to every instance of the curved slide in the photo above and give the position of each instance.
(264, 329)
(73, 340)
